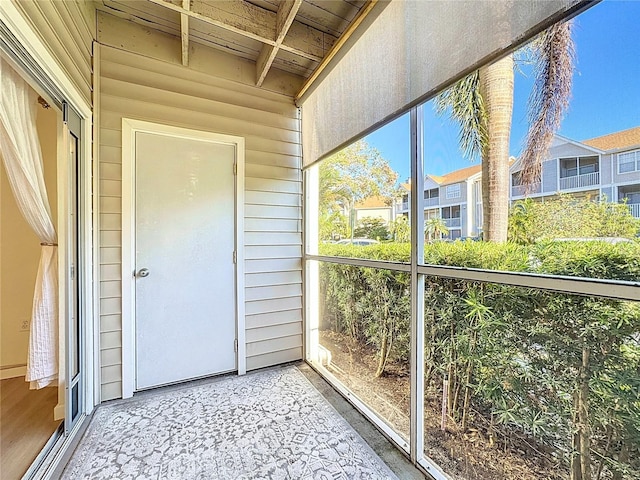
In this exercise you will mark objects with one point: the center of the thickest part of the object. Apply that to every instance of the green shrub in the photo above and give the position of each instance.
(561, 369)
(390, 252)
(593, 259)
(569, 217)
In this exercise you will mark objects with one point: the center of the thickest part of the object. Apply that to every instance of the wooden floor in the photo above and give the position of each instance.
(26, 424)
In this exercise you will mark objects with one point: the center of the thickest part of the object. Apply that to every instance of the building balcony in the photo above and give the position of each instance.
(402, 207)
(522, 190)
(635, 209)
(432, 202)
(453, 222)
(580, 181)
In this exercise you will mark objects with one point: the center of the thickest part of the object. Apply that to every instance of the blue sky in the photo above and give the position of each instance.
(605, 99)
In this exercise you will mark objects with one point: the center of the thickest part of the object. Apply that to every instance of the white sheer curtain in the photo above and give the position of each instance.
(22, 158)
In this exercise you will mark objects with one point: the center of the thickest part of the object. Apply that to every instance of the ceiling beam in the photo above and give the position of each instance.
(257, 23)
(285, 16)
(184, 30)
(284, 19)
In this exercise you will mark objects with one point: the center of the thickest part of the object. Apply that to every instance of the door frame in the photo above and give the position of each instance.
(129, 129)
(55, 77)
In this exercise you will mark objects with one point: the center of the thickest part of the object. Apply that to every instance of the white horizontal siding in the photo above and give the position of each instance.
(258, 252)
(273, 278)
(274, 358)
(253, 294)
(206, 65)
(273, 238)
(278, 331)
(68, 30)
(273, 318)
(143, 88)
(111, 323)
(269, 346)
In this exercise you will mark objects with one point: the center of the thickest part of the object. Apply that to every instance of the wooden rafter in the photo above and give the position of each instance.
(284, 19)
(257, 23)
(184, 30)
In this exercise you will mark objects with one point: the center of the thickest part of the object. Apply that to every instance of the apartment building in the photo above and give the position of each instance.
(606, 167)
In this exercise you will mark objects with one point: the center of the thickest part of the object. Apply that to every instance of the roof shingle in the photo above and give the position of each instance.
(460, 175)
(614, 141)
(373, 202)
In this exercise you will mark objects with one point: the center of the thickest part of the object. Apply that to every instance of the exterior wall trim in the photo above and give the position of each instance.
(624, 184)
(129, 128)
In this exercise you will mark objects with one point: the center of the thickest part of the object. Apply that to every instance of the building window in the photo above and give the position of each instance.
(632, 197)
(629, 162)
(516, 179)
(433, 213)
(453, 191)
(574, 166)
(587, 165)
(432, 193)
(451, 212)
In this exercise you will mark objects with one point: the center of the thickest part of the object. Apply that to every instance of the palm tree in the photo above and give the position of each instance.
(482, 104)
(435, 228)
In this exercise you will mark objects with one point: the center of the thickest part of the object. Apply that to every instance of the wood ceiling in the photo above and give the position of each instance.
(290, 35)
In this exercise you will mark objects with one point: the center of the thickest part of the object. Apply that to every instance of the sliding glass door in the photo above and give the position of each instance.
(74, 324)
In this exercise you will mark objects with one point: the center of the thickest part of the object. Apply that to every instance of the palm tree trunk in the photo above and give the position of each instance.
(496, 88)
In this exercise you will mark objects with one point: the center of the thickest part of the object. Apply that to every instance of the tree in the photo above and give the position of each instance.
(332, 226)
(482, 105)
(435, 228)
(570, 217)
(372, 227)
(353, 174)
(400, 229)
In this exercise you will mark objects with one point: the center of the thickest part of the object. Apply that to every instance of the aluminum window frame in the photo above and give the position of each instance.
(418, 270)
(635, 162)
(453, 191)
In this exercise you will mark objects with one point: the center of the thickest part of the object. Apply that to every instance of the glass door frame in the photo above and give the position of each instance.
(23, 46)
(73, 268)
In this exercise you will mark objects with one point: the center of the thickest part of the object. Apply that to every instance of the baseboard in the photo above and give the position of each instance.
(13, 371)
(58, 412)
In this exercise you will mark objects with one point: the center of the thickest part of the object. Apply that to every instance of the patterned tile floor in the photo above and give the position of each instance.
(271, 424)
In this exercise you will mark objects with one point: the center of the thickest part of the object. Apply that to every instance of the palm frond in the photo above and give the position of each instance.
(465, 103)
(553, 54)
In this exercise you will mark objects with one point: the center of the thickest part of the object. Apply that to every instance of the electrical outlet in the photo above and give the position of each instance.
(25, 324)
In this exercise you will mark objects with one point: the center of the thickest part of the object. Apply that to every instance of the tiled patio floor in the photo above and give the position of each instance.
(282, 422)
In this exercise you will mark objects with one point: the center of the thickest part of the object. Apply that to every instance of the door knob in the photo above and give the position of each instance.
(143, 272)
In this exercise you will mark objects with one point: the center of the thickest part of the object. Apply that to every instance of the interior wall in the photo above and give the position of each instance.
(133, 85)
(20, 253)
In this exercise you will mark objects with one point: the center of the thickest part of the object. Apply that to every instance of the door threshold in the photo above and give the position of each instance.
(49, 463)
(187, 382)
(46, 451)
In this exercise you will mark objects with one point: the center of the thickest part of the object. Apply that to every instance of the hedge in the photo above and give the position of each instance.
(563, 370)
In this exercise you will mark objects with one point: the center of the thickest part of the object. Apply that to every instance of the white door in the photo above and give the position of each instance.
(185, 316)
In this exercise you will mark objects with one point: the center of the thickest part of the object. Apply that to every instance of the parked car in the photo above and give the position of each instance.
(362, 242)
